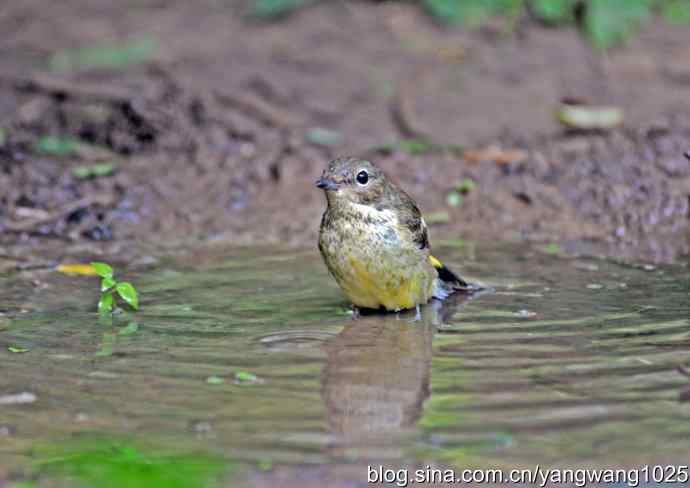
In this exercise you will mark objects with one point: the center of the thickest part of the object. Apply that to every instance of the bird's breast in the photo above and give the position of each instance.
(370, 259)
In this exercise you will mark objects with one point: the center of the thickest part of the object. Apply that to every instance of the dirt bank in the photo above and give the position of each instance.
(222, 132)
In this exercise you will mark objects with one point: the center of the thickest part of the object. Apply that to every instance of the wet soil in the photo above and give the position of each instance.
(213, 136)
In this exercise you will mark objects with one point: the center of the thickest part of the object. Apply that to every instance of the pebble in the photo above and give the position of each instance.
(525, 313)
(18, 398)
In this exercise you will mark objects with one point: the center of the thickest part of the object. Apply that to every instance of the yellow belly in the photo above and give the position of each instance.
(369, 285)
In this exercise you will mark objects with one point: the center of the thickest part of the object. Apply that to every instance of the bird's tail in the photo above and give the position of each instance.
(448, 282)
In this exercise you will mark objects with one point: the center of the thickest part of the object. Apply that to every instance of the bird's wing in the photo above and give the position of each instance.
(411, 220)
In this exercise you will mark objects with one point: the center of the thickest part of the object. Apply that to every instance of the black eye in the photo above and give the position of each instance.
(362, 177)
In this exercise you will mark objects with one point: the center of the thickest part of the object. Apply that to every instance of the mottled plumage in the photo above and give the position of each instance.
(375, 242)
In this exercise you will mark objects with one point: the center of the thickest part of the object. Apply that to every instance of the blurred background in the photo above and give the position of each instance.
(557, 121)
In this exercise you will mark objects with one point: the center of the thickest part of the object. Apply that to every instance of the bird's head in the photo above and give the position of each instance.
(352, 180)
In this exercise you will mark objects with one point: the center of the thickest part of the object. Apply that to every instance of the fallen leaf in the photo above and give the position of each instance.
(589, 117)
(77, 268)
(496, 154)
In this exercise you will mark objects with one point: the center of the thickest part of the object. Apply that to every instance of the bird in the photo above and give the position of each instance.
(375, 243)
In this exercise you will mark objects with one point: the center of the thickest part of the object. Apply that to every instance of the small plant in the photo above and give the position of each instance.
(605, 23)
(110, 287)
(107, 55)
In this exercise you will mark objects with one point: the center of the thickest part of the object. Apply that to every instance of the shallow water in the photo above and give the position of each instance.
(566, 362)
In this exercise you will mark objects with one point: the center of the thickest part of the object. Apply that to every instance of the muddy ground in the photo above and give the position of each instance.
(213, 137)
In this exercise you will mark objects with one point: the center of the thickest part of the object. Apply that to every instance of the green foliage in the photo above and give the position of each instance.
(271, 9)
(552, 248)
(454, 199)
(245, 377)
(103, 270)
(105, 304)
(128, 293)
(610, 22)
(605, 23)
(215, 380)
(410, 146)
(106, 463)
(17, 349)
(554, 12)
(111, 55)
(677, 11)
(55, 146)
(465, 185)
(94, 170)
(471, 12)
(110, 287)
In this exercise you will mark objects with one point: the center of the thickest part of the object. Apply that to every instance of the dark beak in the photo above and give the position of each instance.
(326, 184)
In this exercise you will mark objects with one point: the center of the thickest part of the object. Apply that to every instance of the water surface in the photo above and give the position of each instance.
(566, 362)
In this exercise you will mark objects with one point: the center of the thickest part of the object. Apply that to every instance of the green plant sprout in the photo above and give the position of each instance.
(110, 287)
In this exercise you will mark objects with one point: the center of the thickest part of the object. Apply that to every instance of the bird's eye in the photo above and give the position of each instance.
(363, 177)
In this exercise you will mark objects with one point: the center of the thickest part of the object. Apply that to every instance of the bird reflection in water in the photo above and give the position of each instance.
(374, 383)
(377, 377)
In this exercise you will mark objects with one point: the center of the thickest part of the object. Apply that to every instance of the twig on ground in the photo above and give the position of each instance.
(258, 108)
(403, 110)
(30, 224)
(57, 87)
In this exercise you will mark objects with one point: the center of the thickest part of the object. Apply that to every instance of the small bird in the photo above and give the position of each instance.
(375, 242)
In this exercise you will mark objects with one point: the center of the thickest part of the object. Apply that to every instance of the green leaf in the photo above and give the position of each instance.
(554, 11)
(102, 269)
(128, 293)
(55, 146)
(454, 199)
(552, 248)
(108, 462)
(272, 9)
(610, 22)
(107, 284)
(417, 146)
(110, 55)
(105, 304)
(23, 484)
(677, 11)
(466, 185)
(470, 12)
(17, 349)
(94, 170)
(246, 377)
(215, 380)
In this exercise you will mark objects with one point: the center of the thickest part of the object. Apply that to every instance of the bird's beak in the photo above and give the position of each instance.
(326, 184)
